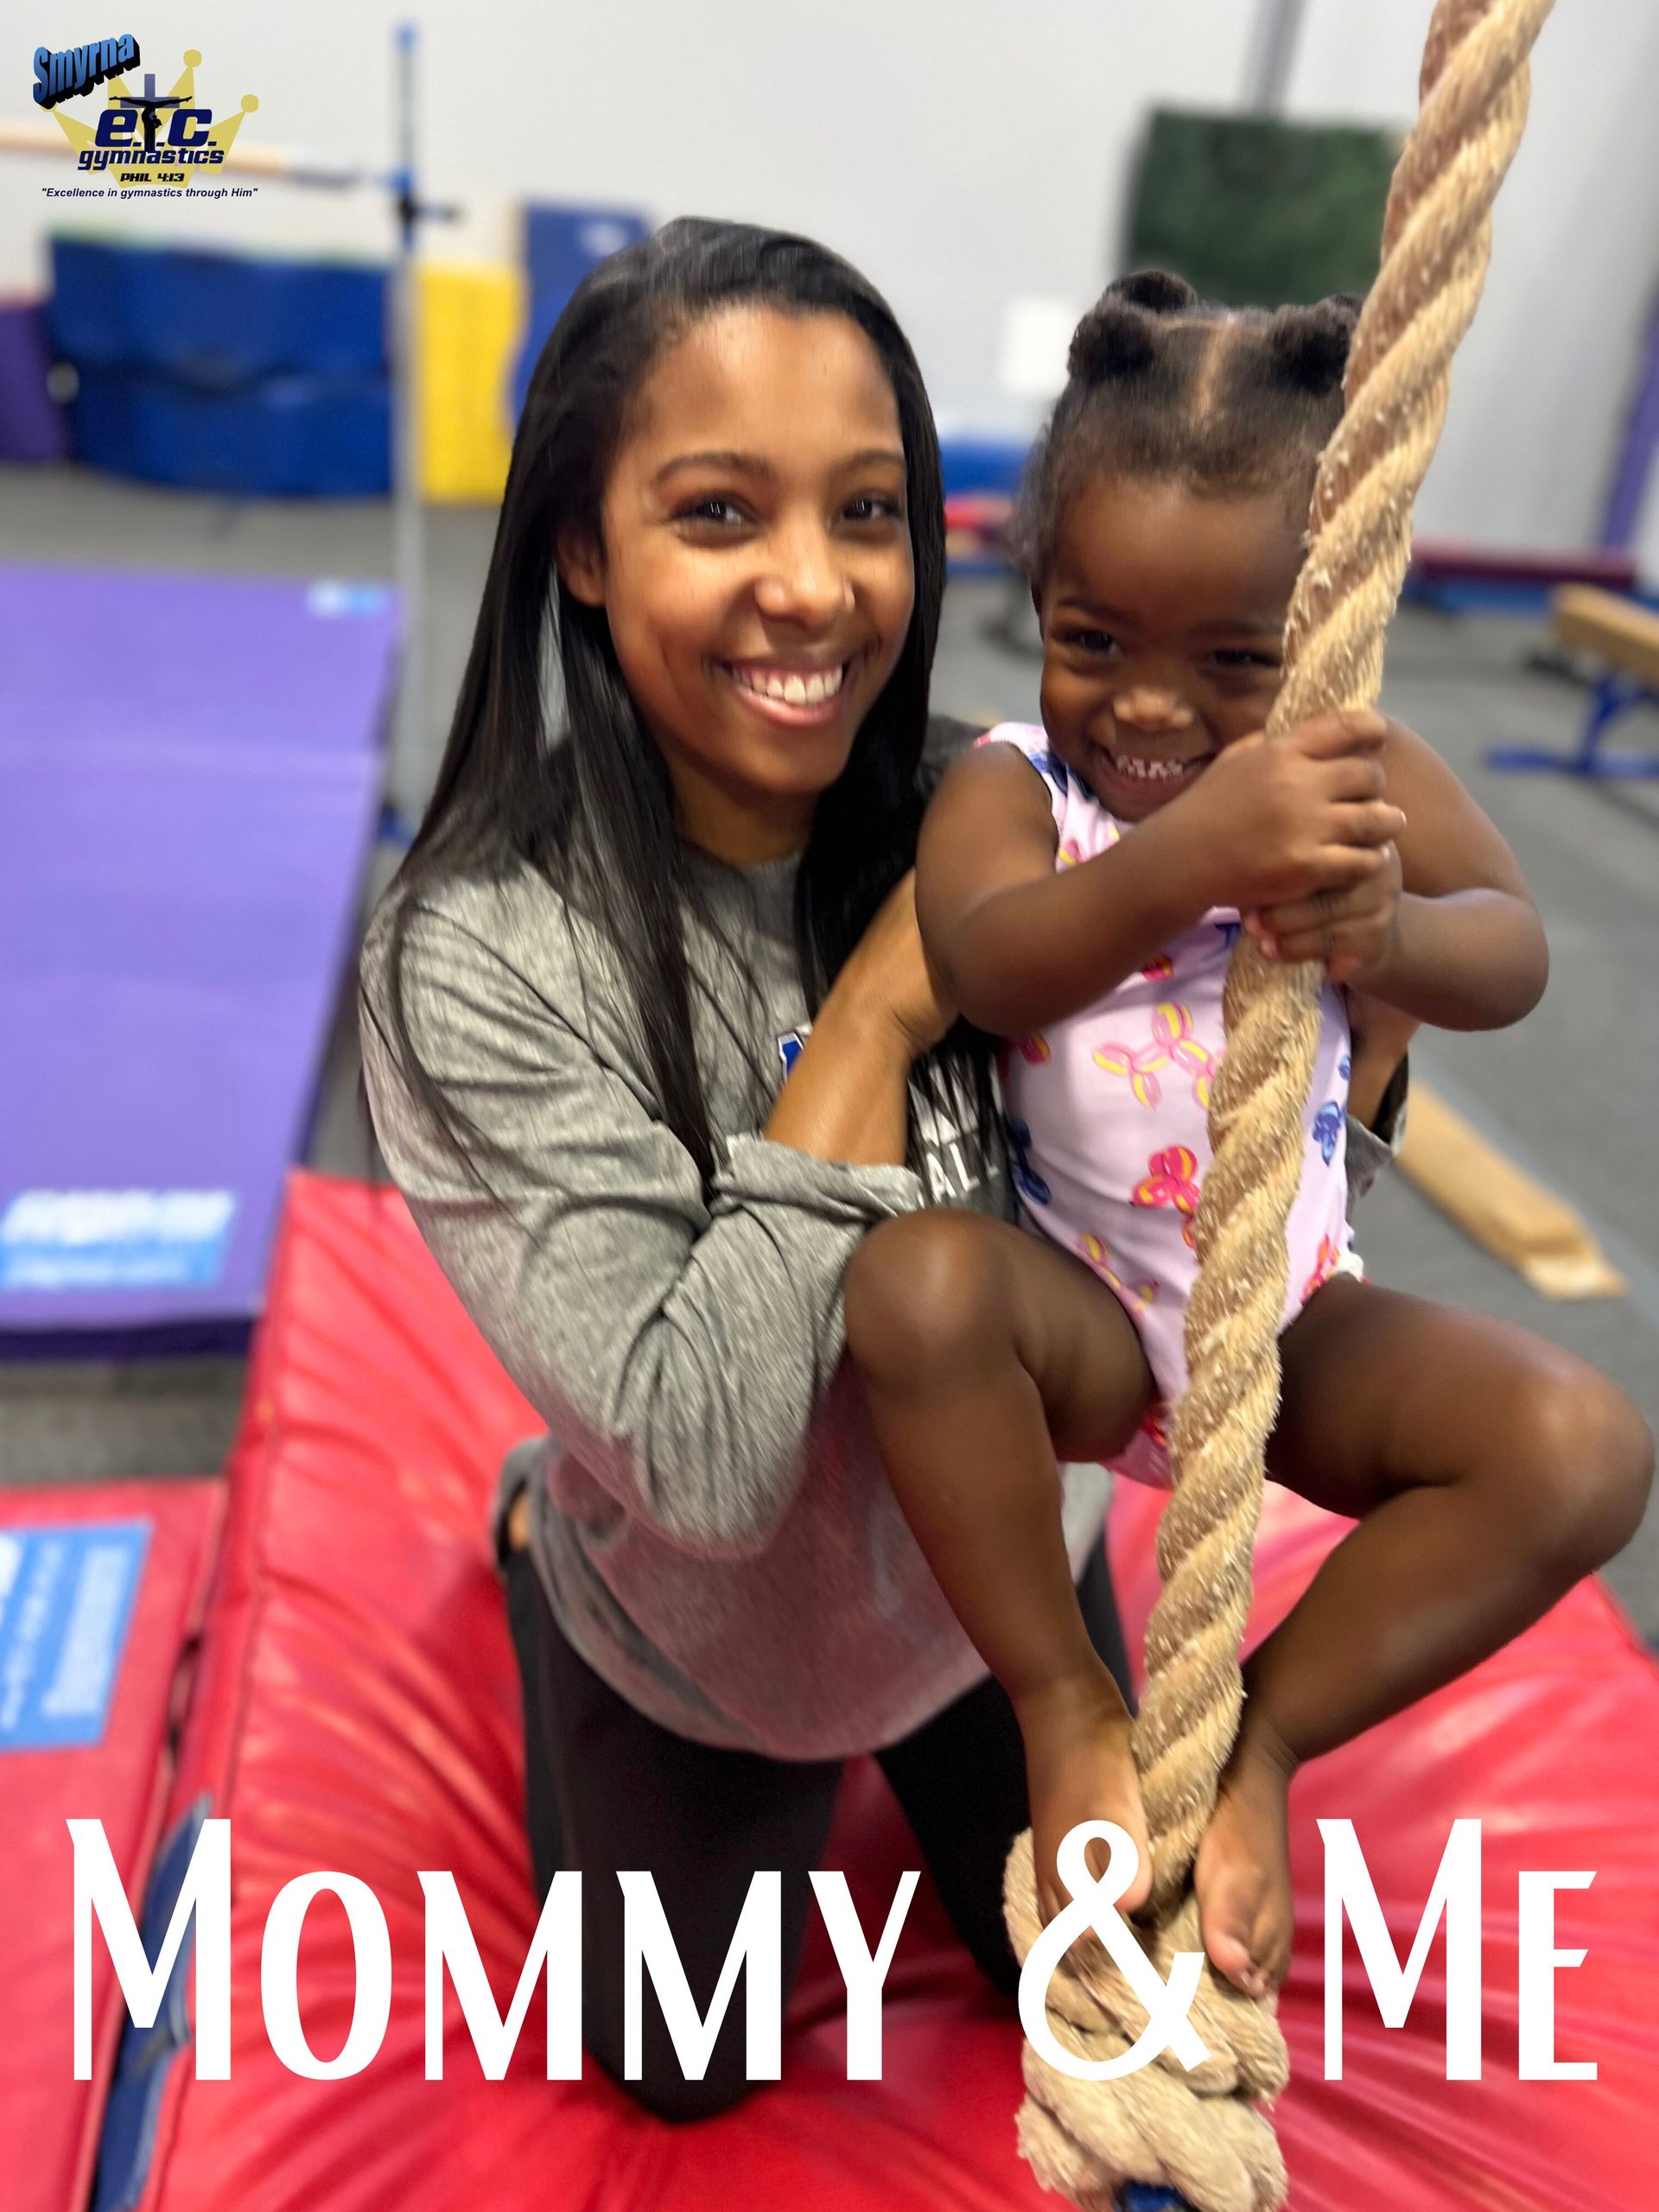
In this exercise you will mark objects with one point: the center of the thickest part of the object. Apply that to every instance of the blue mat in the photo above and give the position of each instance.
(249, 374)
(286, 438)
(560, 245)
(218, 320)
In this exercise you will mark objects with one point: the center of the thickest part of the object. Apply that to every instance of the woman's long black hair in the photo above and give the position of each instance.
(591, 806)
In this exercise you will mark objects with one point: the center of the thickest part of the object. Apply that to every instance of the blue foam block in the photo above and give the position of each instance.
(217, 319)
(289, 436)
(979, 464)
(560, 245)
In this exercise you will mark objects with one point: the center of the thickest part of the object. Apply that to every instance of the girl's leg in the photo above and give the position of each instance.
(983, 1352)
(961, 1779)
(608, 1788)
(1489, 1472)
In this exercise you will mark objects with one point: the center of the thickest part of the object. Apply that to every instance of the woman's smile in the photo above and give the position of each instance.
(790, 691)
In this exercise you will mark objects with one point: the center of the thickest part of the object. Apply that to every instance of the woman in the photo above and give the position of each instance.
(651, 1043)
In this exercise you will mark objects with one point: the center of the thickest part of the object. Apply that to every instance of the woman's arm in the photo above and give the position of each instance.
(678, 1342)
(1381, 1037)
(848, 1096)
(1464, 947)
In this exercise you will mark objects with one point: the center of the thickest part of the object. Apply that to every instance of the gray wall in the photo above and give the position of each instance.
(963, 151)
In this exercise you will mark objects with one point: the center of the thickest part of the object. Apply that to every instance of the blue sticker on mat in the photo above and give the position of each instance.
(115, 1240)
(65, 1603)
(334, 597)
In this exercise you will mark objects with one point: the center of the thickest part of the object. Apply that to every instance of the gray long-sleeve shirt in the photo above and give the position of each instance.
(710, 1518)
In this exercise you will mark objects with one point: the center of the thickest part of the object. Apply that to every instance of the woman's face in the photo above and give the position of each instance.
(755, 566)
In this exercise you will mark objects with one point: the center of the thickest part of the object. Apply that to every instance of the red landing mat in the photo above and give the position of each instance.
(1550, 1745)
(357, 1710)
(101, 1590)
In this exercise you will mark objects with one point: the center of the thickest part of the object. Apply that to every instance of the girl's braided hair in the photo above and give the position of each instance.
(1164, 386)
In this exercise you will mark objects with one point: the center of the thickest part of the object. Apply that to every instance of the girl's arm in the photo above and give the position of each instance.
(1016, 944)
(1464, 947)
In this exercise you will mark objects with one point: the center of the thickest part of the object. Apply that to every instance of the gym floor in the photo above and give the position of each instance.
(1565, 1096)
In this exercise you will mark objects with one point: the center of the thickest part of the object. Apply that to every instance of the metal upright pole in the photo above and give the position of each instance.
(407, 525)
(1273, 52)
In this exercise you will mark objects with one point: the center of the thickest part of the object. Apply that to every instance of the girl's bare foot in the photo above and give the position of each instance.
(1241, 1873)
(1079, 1767)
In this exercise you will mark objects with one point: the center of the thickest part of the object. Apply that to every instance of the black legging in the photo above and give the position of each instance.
(606, 1788)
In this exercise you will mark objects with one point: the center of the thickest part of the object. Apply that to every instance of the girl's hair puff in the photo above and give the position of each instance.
(1163, 386)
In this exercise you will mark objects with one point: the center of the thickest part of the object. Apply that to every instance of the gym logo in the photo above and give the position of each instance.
(78, 68)
(146, 137)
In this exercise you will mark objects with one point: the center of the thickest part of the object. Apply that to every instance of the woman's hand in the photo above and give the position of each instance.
(1351, 932)
(1276, 822)
(888, 980)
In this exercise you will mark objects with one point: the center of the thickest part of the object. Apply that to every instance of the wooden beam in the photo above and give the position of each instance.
(1499, 1206)
(1618, 631)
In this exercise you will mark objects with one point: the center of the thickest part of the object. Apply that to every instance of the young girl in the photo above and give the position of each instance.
(1079, 889)
(640, 1018)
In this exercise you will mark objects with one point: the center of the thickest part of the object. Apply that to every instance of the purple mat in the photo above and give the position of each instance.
(33, 427)
(190, 780)
(138, 654)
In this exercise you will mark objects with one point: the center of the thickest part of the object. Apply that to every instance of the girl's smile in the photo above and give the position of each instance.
(1130, 779)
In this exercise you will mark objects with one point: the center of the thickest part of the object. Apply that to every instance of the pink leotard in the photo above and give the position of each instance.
(1106, 1115)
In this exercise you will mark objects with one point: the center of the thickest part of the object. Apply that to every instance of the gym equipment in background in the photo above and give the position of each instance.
(1456, 577)
(1622, 637)
(102, 1592)
(192, 768)
(1628, 492)
(344, 436)
(33, 424)
(560, 245)
(253, 375)
(1256, 207)
(469, 326)
(357, 1708)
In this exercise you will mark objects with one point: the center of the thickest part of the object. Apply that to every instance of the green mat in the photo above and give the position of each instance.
(1256, 210)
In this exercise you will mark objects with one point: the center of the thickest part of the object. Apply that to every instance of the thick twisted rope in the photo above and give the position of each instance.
(1201, 2133)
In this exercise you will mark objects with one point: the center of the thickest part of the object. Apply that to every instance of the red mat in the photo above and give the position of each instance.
(49, 2121)
(1455, 560)
(1537, 1745)
(357, 1710)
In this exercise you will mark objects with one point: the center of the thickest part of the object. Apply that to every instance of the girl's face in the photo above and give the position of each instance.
(755, 566)
(1163, 617)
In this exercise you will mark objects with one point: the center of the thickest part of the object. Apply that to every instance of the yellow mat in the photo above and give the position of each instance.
(470, 323)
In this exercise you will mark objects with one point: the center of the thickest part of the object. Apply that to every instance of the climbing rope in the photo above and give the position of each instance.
(1201, 2132)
